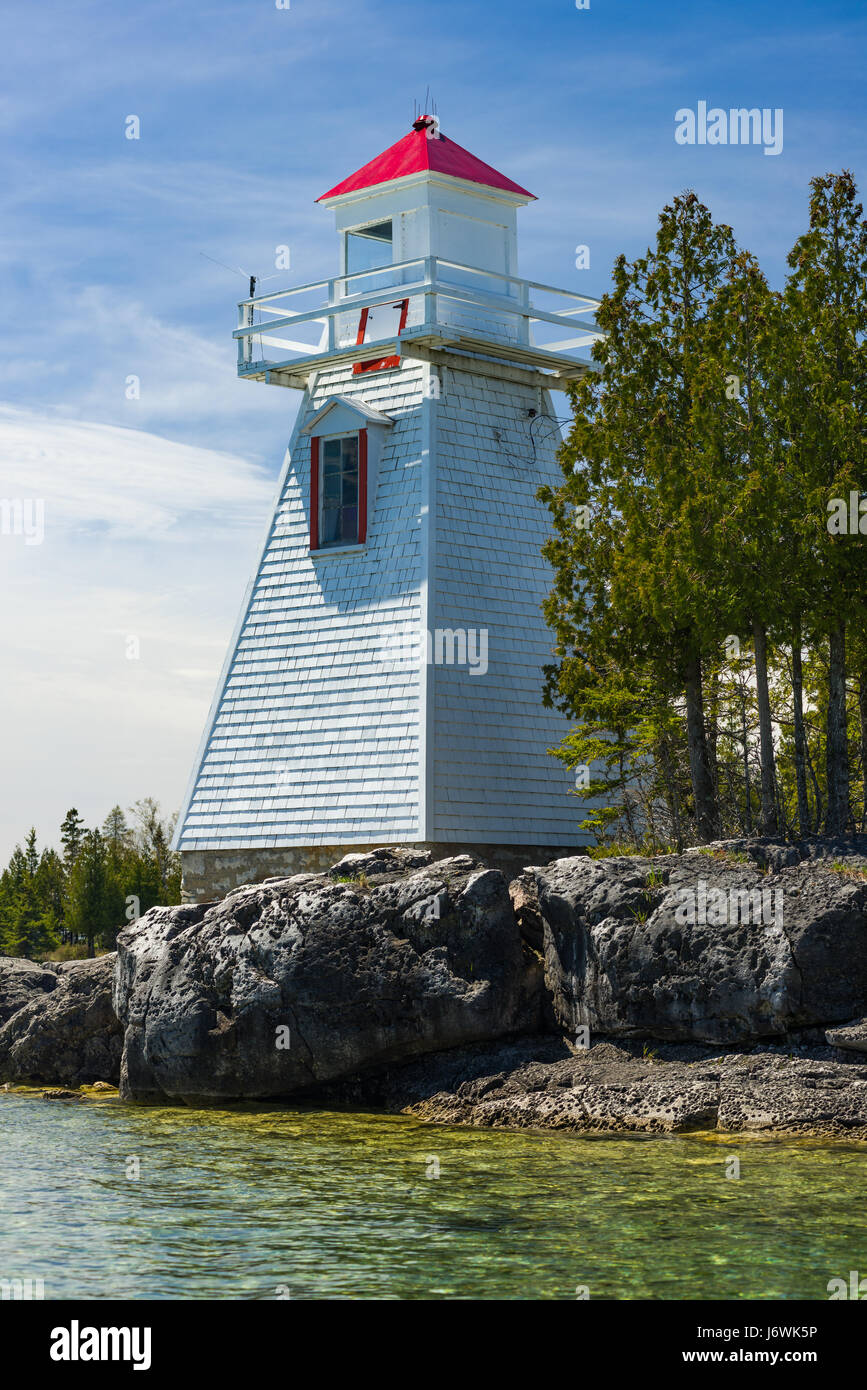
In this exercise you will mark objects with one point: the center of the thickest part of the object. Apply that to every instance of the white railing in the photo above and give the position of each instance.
(437, 296)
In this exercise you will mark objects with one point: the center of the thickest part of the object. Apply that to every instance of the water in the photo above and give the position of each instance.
(263, 1202)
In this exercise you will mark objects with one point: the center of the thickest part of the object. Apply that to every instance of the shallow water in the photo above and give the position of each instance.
(263, 1203)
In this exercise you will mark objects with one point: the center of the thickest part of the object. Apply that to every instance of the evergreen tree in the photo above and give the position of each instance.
(826, 302)
(737, 429)
(89, 907)
(71, 835)
(636, 598)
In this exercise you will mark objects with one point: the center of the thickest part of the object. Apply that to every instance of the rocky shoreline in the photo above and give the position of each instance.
(719, 990)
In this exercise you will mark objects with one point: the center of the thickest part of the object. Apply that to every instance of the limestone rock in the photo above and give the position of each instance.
(396, 859)
(67, 1036)
(293, 983)
(790, 951)
(601, 1090)
(22, 981)
(852, 1037)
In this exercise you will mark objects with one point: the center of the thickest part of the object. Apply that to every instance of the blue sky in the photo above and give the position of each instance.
(154, 507)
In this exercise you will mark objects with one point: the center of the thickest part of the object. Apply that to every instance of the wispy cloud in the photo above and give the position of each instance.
(120, 618)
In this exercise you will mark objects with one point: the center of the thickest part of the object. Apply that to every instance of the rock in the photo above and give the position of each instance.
(729, 1092)
(295, 983)
(852, 1037)
(67, 1036)
(848, 851)
(63, 967)
(794, 1095)
(21, 981)
(394, 860)
(61, 1095)
(103, 1086)
(525, 905)
(621, 958)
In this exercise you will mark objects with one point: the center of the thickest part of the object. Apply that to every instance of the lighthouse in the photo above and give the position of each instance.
(383, 685)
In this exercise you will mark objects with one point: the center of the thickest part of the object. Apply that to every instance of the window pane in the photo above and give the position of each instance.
(349, 496)
(338, 501)
(368, 249)
(330, 526)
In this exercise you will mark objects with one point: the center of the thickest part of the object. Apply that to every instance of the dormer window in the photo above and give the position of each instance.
(346, 439)
(338, 491)
(338, 505)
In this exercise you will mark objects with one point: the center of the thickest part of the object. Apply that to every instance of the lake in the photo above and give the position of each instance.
(103, 1200)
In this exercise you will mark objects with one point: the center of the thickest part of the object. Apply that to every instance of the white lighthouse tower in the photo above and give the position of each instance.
(383, 685)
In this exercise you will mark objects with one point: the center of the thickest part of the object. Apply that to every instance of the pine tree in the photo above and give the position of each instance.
(71, 835)
(635, 590)
(737, 429)
(89, 908)
(826, 302)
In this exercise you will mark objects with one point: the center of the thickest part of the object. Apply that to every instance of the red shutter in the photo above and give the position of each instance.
(362, 486)
(314, 493)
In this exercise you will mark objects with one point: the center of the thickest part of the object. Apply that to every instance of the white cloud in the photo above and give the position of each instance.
(144, 538)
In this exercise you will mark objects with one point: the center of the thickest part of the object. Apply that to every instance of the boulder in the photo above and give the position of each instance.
(68, 1035)
(852, 1037)
(525, 904)
(22, 981)
(703, 946)
(296, 982)
(396, 859)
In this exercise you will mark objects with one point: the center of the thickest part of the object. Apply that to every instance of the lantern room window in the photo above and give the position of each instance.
(368, 248)
(338, 514)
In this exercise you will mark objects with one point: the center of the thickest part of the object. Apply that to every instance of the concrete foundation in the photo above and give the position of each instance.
(212, 873)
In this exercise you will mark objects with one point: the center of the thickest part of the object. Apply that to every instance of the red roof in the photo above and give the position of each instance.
(417, 153)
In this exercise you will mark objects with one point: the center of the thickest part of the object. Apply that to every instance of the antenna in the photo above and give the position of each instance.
(239, 270)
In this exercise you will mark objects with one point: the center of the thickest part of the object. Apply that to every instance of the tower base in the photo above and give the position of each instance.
(209, 874)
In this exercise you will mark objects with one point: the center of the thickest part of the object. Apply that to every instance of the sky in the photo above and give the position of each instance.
(118, 597)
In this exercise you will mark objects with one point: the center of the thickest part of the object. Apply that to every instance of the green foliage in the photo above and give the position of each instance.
(71, 905)
(702, 612)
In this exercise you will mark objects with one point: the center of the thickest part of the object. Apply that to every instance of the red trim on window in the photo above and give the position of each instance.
(362, 486)
(314, 493)
(379, 364)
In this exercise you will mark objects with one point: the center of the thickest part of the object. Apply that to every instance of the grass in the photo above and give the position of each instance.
(61, 953)
(622, 849)
(726, 856)
(358, 881)
(848, 870)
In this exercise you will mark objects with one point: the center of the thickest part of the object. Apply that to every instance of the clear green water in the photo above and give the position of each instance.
(236, 1204)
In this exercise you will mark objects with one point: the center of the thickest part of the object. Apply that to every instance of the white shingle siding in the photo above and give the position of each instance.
(493, 780)
(317, 739)
(313, 739)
